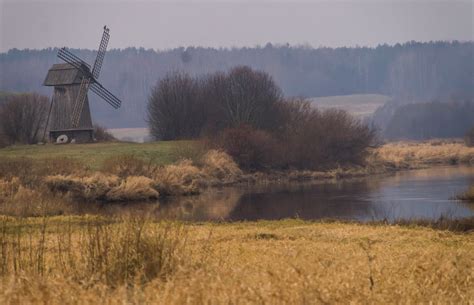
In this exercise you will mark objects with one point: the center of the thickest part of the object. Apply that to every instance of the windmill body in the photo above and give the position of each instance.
(66, 80)
(69, 116)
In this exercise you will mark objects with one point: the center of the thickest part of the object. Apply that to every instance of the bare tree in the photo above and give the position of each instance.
(244, 97)
(23, 118)
(174, 110)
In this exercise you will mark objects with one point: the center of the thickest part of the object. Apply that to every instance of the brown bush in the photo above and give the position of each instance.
(101, 134)
(182, 178)
(306, 139)
(31, 172)
(95, 187)
(128, 165)
(322, 140)
(250, 148)
(219, 165)
(469, 138)
(133, 188)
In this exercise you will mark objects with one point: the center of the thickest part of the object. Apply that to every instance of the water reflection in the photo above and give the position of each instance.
(413, 194)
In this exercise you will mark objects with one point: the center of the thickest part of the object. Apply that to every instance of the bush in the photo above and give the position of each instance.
(182, 178)
(23, 118)
(219, 165)
(322, 140)
(128, 165)
(133, 188)
(90, 188)
(101, 134)
(249, 147)
(31, 172)
(307, 139)
(469, 138)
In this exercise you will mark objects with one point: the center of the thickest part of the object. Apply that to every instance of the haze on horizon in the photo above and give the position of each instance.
(37, 24)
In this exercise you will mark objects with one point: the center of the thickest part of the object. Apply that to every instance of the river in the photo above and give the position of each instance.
(415, 194)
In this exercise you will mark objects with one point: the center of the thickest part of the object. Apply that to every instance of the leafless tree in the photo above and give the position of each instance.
(23, 118)
(244, 97)
(174, 110)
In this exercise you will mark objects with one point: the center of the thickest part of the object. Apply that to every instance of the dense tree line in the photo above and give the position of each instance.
(434, 119)
(411, 71)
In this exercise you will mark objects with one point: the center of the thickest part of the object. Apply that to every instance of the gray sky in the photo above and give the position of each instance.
(169, 24)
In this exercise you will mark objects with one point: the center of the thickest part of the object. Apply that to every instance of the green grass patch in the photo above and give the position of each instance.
(94, 154)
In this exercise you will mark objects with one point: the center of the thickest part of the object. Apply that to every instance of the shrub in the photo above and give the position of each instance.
(467, 195)
(133, 188)
(101, 134)
(219, 165)
(32, 172)
(250, 148)
(90, 188)
(323, 140)
(469, 138)
(182, 178)
(128, 165)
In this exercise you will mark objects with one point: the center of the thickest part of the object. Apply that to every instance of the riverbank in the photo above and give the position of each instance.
(137, 172)
(84, 260)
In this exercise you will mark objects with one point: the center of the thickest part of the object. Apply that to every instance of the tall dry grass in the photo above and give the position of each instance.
(112, 252)
(31, 172)
(19, 200)
(87, 261)
(425, 153)
(467, 195)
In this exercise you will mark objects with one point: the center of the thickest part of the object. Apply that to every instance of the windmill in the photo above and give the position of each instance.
(69, 111)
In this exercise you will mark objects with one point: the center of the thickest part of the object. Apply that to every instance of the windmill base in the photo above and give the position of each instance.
(75, 135)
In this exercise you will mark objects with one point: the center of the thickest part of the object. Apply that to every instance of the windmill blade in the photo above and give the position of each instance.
(106, 95)
(73, 60)
(101, 53)
(79, 103)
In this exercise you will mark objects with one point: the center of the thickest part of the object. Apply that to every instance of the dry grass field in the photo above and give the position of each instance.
(359, 105)
(426, 153)
(86, 260)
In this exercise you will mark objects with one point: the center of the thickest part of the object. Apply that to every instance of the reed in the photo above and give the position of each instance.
(86, 260)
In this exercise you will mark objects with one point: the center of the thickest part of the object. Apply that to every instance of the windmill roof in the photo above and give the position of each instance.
(62, 74)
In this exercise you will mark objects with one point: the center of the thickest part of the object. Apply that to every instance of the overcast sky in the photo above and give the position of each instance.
(169, 24)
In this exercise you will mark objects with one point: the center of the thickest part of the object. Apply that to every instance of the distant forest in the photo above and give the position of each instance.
(407, 72)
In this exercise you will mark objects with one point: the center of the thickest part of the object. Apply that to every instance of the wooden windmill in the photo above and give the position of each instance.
(70, 116)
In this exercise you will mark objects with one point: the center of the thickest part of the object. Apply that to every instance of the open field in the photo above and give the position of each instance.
(166, 152)
(139, 135)
(359, 105)
(85, 260)
(93, 155)
(433, 152)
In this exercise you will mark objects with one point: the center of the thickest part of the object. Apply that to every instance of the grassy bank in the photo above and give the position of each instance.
(166, 152)
(94, 155)
(84, 260)
(130, 171)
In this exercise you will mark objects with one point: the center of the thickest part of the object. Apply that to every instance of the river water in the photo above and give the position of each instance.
(417, 194)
